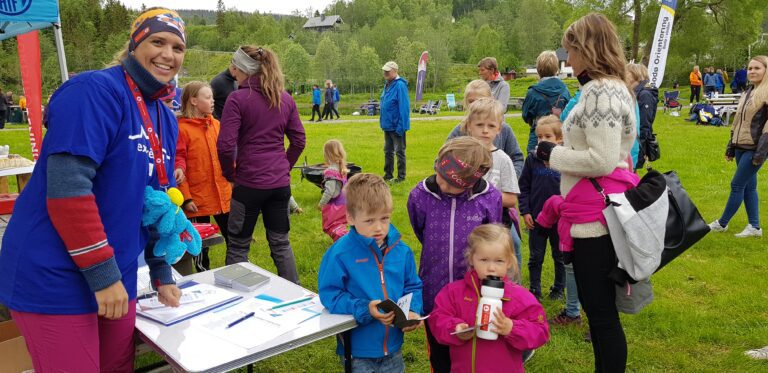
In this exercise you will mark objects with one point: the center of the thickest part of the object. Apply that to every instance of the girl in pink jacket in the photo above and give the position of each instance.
(521, 322)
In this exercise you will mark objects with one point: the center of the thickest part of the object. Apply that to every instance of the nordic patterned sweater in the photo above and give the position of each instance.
(598, 135)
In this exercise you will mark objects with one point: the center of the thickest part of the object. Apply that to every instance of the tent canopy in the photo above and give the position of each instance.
(22, 16)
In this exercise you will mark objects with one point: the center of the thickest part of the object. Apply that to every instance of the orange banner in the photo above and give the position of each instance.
(29, 60)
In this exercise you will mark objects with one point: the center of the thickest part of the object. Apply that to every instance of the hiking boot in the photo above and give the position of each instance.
(750, 231)
(563, 319)
(759, 354)
(715, 226)
(555, 294)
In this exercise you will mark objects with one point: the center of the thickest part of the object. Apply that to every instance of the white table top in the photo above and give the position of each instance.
(17, 171)
(193, 350)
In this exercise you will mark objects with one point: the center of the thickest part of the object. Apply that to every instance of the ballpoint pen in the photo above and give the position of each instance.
(247, 316)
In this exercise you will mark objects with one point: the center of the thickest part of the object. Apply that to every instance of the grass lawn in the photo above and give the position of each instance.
(709, 307)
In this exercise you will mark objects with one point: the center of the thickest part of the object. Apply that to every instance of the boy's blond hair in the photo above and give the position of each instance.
(553, 122)
(477, 87)
(367, 194)
(470, 151)
(547, 64)
(491, 234)
(486, 107)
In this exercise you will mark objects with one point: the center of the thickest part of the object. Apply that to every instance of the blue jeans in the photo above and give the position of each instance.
(572, 305)
(743, 188)
(388, 364)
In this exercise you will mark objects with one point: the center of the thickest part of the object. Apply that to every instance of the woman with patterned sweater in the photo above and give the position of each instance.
(598, 135)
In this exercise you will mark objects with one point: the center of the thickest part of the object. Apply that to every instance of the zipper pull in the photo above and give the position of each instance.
(381, 273)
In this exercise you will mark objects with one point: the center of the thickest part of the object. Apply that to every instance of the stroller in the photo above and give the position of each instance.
(314, 172)
(671, 103)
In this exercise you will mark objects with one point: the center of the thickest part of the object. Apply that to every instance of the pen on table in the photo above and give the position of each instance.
(248, 315)
(289, 303)
(147, 295)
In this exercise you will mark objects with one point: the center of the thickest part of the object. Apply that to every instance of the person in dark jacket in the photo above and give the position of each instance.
(739, 83)
(395, 120)
(316, 100)
(256, 120)
(328, 109)
(647, 100)
(222, 85)
(548, 96)
(4, 108)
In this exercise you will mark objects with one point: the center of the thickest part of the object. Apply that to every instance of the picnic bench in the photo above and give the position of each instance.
(726, 104)
(515, 103)
(372, 107)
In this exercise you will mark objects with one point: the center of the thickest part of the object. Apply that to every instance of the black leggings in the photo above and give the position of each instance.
(329, 110)
(316, 109)
(593, 260)
(695, 93)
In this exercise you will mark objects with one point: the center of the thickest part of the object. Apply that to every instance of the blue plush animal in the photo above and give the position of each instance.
(177, 235)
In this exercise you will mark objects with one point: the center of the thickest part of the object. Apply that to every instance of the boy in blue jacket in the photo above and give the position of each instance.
(366, 266)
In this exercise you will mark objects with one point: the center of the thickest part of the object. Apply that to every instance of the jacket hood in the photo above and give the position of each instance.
(549, 87)
(197, 121)
(644, 85)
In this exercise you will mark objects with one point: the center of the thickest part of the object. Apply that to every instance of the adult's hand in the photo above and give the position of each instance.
(112, 301)
(728, 158)
(169, 295)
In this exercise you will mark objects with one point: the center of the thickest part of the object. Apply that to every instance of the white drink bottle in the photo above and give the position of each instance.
(492, 291)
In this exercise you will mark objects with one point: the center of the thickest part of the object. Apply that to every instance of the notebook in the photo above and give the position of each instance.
(212, 297)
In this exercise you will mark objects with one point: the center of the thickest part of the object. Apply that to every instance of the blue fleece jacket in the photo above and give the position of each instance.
(316, 96)
(537, 183)
(349, 279)
(395, 107)
(542, 96)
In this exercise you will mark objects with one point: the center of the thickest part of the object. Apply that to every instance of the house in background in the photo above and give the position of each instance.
(323, 23)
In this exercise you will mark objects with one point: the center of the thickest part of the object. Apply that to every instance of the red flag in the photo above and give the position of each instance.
(29, 60)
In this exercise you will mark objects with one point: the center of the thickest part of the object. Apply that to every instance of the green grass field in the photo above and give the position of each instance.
(709, 307)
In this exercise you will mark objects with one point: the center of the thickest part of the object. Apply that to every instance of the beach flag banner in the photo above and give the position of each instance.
(29, 60)
(422, 74)
(661, 38)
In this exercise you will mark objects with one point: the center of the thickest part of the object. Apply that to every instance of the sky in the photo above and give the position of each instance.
(263, 6)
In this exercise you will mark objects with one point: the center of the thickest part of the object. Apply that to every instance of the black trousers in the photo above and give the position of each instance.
(593, 260)
(537, 244)
(329, 111)
(439, 355)
(316, 109)
(695, 93)
(203, 261)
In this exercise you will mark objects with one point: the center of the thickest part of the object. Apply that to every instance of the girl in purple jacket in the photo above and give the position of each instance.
(521, 322)
(444, 208)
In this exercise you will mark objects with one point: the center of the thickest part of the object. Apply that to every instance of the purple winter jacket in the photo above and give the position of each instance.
(251, 142)
(442, 223)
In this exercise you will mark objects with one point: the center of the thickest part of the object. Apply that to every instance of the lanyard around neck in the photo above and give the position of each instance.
(154, 139)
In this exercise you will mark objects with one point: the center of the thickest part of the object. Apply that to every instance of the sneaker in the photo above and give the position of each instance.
(563, 319)
(750, 231)
(527, 355)
(759, 354)
(715, 226)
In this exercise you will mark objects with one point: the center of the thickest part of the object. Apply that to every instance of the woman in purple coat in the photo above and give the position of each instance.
(255, 122)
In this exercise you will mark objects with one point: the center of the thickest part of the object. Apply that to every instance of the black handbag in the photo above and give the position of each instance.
(685, 226)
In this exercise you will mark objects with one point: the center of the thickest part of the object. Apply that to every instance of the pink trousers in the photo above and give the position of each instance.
(78, 343)
(335, 220)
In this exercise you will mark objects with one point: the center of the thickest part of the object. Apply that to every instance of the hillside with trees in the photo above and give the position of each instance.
(457, 33)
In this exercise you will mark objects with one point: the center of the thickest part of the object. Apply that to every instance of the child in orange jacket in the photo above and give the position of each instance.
(198, 171)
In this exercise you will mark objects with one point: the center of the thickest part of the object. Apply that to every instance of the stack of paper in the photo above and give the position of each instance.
(206, 297)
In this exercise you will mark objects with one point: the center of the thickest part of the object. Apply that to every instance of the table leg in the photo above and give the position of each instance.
(347, 338)
(22, 180)
(4, 184)
(249, 369)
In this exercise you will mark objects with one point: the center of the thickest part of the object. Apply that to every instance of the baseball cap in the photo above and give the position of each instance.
(389, 66)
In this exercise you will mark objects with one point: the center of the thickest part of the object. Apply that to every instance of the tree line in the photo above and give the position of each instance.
(457, 34)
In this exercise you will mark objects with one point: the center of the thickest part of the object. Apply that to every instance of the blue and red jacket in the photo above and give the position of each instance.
(355, 271)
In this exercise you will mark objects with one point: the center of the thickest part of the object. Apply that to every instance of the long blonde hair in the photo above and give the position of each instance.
(189, 91)
(272, 81)
(595, 38)
(760, 91)
(333, 152)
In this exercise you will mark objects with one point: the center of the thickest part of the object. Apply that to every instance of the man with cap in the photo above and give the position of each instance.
(395, 120)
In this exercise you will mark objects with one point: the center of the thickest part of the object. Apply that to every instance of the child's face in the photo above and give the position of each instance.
(484, 129)
(446, 187)
(546, 133)
(371, 224)
(203, 102)
(491, 259)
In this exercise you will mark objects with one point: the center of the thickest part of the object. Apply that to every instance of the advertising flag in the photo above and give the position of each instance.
(29, 60)
(661, 38)
(422, 74)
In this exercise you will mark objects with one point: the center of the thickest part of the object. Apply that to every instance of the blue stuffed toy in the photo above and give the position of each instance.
(177, 235)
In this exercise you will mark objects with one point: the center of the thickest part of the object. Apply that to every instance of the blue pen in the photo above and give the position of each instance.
(247, 316)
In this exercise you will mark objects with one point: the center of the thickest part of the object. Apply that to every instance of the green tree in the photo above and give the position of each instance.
(534, 40)
(327, 59)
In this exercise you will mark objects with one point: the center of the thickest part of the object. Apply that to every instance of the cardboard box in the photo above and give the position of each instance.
(14, 356)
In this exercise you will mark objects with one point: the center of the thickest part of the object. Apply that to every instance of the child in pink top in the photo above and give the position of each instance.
(521, 322)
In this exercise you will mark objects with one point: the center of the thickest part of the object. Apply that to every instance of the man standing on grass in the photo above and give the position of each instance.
(395, 120)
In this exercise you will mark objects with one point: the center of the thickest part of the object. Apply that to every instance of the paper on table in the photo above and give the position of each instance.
(251, 332)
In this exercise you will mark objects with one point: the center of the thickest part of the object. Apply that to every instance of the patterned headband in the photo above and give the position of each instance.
(450, 168)
(154, 21)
